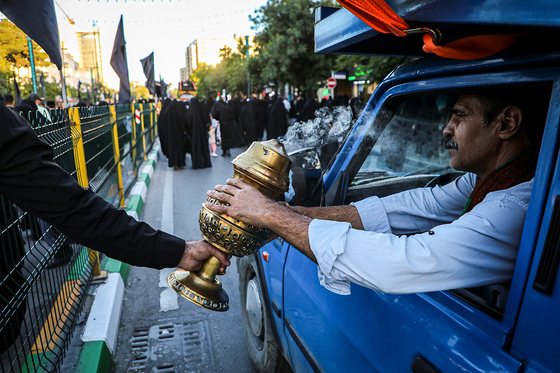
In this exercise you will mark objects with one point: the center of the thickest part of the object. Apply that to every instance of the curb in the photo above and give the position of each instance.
(101, 329)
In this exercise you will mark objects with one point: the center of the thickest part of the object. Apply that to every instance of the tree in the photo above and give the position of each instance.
(285, 46)
(138, 91)
(373, 68)
(230, 74)
(13, 46)
(15, 52)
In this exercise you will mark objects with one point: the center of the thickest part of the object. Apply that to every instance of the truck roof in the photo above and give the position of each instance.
(341, 32)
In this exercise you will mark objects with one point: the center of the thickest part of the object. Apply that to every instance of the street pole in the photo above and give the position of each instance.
(62, 78)
(248, 80)
(32, 62)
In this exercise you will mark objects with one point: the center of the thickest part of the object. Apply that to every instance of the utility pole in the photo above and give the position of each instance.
(32, 63)
(62, 78)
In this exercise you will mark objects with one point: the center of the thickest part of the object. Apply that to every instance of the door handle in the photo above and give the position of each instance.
(422, 365)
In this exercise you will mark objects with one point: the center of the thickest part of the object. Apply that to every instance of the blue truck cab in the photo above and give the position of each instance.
(292, 322)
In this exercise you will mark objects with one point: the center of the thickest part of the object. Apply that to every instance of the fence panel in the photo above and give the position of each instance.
(43, 275)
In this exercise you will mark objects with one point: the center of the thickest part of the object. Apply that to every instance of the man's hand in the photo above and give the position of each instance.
(244, 203)
(196, 252)
(247, 204)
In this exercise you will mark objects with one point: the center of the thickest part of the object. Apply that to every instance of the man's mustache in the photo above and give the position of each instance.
(449, 143)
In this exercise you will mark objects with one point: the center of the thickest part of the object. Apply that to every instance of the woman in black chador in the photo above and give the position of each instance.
(308, 111)
(252, 120)
(200, 152)
(178, 144)
(231, 134)
(277, 121)
(163, 125)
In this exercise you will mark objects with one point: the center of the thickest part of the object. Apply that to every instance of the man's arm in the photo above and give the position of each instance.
(32, 180)
(346, 213)
(247, 204)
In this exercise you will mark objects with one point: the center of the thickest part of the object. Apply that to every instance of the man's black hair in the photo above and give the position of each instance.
(531, 100)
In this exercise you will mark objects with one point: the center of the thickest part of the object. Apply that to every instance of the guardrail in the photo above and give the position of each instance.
(43, 275)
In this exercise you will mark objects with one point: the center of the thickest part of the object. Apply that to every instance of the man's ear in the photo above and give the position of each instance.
(510, 122)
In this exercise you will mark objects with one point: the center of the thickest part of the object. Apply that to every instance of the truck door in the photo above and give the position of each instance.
(447, 331)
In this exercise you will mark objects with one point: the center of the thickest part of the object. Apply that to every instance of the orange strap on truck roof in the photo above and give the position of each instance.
(380, 16)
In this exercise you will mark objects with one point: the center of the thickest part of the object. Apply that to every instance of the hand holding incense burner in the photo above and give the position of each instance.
(265, 166)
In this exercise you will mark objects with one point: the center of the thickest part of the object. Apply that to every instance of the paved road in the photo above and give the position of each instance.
(161, 332)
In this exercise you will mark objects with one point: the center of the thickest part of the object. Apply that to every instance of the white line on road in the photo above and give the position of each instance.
(167, 203)
(168, 298)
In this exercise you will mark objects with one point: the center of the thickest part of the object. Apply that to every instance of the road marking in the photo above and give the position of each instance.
(168, 299)
(167, 203)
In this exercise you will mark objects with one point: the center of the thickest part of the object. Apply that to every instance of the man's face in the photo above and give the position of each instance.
(473, 145)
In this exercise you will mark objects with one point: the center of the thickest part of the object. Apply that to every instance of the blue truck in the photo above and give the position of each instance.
(292, 323)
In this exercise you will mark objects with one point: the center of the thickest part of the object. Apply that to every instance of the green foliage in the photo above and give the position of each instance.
(283, 54)
(15, 55)
(230, 74)
(375, 68)
(285, 46)
(14, 47)
(26, 88)
(138, 91)
(5, 82)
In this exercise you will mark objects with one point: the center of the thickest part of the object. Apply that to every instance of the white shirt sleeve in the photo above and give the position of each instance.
(416, 210)
(477, 249)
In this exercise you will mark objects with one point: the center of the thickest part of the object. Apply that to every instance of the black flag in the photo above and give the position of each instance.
(17, 94)
(42, 80)
(148, 66)
(119, 64)
(163, 87)
(38, 20)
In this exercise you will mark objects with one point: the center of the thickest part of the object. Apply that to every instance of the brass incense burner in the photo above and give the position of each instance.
(265, 166)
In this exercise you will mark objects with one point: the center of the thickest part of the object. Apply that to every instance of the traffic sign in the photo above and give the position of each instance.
(331, 83)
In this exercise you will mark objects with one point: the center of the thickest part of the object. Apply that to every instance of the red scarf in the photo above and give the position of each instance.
(517, 170)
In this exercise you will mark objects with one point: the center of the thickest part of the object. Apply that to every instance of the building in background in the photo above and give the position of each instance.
(207, 50)
(90, 55)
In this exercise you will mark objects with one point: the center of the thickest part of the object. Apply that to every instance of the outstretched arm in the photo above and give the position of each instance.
(247, 204)
(346, 213)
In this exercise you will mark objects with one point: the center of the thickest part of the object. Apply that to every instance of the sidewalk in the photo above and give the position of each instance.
(101, 329)
(135, 305)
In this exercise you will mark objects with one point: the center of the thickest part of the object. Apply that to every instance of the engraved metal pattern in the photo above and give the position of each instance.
(265, 166)
(230, 235)
(194, 297)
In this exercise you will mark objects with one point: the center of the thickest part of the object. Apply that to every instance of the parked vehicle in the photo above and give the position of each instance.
(291, 321)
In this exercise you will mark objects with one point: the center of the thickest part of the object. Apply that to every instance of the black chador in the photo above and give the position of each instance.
(277, 121)
(231, 134)
(163, 125)
(308, 111)
(200, 151)
(178, 136)
(252, 120)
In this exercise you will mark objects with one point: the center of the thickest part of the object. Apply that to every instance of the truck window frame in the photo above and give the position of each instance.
(388, 103)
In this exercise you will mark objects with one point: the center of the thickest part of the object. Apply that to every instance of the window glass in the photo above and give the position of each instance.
(411, 142)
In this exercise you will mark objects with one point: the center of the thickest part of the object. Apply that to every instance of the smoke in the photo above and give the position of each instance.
(329, 128)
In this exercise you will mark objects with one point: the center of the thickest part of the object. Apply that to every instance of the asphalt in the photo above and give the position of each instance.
(134, 322)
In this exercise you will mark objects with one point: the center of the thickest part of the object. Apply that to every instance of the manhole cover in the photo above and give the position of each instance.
(171, 346)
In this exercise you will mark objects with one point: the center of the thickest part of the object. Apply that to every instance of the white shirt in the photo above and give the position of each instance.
(476, 249)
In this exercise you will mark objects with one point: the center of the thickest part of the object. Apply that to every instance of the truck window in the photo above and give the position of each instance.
(407, 152)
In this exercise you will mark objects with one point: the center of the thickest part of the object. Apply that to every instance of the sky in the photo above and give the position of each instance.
(165, 27)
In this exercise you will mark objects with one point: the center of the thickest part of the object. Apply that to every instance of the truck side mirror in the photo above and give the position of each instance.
(306, 179)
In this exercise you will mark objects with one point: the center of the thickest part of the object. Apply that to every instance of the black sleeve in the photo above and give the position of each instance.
(32, 180)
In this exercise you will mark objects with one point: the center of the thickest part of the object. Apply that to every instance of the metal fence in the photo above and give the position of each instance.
(43, 275)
